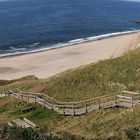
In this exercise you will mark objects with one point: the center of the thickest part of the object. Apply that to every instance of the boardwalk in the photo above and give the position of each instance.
(123, 99)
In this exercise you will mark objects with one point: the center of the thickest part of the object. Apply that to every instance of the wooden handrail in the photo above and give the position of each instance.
(130, 92)
(75, 108)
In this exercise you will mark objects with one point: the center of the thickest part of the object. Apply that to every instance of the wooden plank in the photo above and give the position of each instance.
(130, 92)
(124, 97)
(29, 122)
(28, 109)
(21, 123)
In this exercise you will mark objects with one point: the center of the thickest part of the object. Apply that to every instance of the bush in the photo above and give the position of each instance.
(18, 133)
(133, 133)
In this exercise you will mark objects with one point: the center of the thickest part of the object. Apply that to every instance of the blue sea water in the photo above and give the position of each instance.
(31, 25)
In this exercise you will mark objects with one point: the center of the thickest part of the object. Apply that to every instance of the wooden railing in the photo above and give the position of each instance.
(123, 99)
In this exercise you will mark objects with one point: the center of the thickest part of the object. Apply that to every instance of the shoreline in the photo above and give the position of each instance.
(71, 42)
(51, 62)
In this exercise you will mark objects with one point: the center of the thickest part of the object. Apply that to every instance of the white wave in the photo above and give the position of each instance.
(17, 49)
(110, 35)
(69, 43)
(81, 40)
(34, 44)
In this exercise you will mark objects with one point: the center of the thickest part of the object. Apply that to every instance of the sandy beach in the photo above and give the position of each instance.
(48, 63)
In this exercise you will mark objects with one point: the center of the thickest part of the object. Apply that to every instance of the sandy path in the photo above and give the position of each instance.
(49, 63)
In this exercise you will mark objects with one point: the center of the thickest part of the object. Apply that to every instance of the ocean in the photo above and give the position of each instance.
(34, 25)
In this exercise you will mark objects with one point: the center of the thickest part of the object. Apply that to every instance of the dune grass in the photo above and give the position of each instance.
(105, 77)
(28, 83)
(115, 123)
(10, 109)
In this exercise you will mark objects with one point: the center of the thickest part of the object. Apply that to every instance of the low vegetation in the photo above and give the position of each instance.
(105, 77)
(17, 133)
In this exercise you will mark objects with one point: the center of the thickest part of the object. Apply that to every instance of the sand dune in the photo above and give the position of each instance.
(48, 63)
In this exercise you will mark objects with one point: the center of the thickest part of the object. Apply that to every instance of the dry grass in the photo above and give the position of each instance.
(89, 81)
(101, 124)
(105, 77)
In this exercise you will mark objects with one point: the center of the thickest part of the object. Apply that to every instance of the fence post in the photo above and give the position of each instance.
(99, 104)
(63, 109)
(116, 100)
(44, 104)
(35, 99)
(74, 109)
(22, 96)
(28, 98)
(86, 108)
(132, 101)
(52, 104)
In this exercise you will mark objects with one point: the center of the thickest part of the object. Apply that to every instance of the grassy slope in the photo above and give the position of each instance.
(105, 77)
(10, 109)
(28, 83)
(98, 124)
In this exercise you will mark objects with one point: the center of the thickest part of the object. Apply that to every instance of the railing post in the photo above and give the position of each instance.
(44, 104)
(28, 98)
(86, 108)
(63, 109)
(132, 101)
(99, 104)
(35, 99)
(74, 110)
(116, 100)
(22, 96)
(52, 104)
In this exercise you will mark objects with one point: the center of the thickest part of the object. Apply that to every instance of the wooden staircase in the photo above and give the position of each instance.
(125, 99)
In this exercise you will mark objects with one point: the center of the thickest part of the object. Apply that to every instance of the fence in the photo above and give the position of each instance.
(123, 99)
